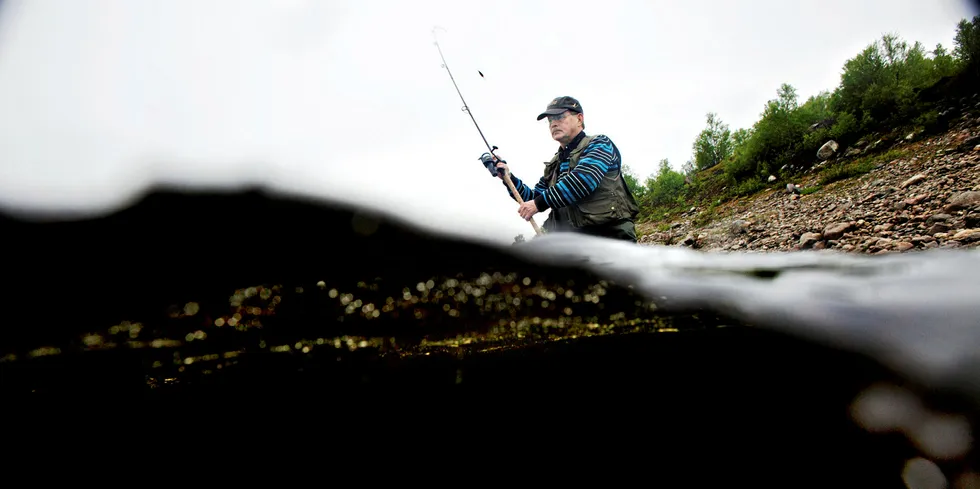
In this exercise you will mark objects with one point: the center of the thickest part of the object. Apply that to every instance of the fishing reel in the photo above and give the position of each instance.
(487, 159)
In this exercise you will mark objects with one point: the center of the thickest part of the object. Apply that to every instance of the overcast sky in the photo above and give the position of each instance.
(348, 99)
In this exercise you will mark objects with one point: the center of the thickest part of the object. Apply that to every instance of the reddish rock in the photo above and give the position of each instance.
(903, 246)
(837, 230)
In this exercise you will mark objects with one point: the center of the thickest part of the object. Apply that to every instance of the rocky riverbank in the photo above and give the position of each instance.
(920, 193)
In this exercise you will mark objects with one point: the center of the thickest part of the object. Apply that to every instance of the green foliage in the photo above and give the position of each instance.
(739, 137)
(850, 169)
(967, 40)
(816, 109)
(633, 183)
(878, 93)
(688, 168)
(749, 187)
(664, 192)
(943, 62)
(928, 121)
(778, 135)
(845, 128)
(843, 171)
(739, 140)
(878, 85)
(878, 89)
(666, 186)
(713, 144)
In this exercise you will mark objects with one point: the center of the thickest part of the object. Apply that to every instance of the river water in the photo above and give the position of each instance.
(918, 313)
(149, 303)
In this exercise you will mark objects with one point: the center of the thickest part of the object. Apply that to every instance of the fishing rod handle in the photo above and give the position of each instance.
(517, 197)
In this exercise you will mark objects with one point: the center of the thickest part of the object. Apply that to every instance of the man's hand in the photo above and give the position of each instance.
(501, 168)
(527, 210)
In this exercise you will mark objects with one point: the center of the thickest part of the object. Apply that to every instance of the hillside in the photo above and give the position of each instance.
(917, 192)
(886, 161)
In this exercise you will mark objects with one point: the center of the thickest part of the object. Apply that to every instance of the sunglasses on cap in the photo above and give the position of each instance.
(558, 117)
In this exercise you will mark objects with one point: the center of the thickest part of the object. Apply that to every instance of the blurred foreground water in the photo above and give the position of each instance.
(860, 371)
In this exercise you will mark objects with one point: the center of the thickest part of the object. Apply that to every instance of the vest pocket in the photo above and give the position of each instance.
(598, 211)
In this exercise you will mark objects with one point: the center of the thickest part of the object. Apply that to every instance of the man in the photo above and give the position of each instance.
(583, 183)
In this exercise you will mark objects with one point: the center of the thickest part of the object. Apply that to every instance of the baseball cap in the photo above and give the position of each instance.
(561, 104)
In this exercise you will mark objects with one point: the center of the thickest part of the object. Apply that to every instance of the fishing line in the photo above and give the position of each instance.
(466, 108)
(488, 159)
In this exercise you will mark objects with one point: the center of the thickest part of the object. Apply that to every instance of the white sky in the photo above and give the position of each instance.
(348, 99)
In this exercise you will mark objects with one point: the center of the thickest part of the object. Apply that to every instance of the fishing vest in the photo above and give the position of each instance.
(612, 201)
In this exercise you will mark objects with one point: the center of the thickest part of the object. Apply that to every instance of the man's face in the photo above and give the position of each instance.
(563, 125)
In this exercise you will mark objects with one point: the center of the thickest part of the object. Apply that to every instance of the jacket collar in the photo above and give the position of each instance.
(563, 153)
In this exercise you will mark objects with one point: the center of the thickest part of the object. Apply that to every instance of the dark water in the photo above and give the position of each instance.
(849, 370)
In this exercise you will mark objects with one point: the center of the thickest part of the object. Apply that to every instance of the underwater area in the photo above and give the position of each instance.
(862, 366)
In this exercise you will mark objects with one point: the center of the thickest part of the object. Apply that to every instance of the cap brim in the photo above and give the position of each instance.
(551, 112)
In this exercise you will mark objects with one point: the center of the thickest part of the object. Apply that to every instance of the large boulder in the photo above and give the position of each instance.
(827, 150)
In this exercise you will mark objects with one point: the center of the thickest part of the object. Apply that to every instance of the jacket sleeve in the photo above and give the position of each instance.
(598, 158)
(527, 193)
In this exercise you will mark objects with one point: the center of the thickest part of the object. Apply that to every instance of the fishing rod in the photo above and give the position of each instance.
(466, 107)
(486, 158)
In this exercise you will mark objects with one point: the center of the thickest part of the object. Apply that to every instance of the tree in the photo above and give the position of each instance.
(943, 63)
(633, 183)
(860, 74)
(688, 168)
(786, 97)
(776, 137)
(666, 186)
(888, 86)
(740, 137)
(713, 144)
(967, 41)
(879, 86)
